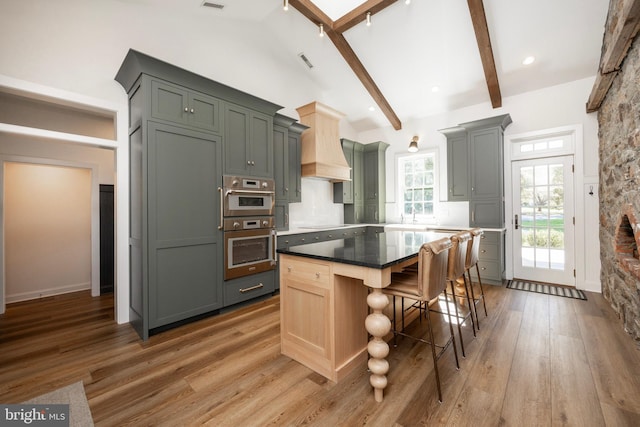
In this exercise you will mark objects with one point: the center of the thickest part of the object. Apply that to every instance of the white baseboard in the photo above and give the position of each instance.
(592, 286)
(41, 293)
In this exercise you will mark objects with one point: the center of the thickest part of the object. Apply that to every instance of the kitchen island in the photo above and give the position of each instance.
(326, 291)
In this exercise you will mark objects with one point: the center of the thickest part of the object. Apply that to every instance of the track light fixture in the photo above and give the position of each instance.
(321, 30)
(413, 145)
(368, 19)
(285, 5)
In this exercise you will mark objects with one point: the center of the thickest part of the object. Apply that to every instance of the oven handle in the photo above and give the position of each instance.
(269, 193)
(221, 225)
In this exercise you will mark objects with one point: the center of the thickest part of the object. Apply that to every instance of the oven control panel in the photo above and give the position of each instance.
(248, 223)
(246, 183)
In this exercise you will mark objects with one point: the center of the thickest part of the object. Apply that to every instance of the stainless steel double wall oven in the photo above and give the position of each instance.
(249, 226)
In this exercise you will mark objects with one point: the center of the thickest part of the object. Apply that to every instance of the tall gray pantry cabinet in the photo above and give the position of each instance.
(178, 126)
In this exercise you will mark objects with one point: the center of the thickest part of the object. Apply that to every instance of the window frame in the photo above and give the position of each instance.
(399, 176)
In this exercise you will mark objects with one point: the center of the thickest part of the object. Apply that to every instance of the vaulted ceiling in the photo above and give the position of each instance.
(428, 56)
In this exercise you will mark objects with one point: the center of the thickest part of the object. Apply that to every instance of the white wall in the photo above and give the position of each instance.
(47, 226)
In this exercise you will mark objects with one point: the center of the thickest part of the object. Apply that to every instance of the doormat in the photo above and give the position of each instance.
(544, 288)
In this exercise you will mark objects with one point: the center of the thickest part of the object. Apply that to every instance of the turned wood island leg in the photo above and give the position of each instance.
(378, 325)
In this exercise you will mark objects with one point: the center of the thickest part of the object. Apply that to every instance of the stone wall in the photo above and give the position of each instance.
(619, 135)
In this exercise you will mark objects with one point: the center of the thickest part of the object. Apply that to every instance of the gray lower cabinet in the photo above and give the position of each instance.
(491, 258)
(246, 288)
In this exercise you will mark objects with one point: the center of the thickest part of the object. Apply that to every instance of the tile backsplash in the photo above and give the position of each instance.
(317, 207)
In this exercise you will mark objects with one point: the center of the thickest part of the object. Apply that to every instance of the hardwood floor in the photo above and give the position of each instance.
(537, 360)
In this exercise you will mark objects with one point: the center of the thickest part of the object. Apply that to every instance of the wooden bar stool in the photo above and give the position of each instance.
(425, 286)
(473, 253)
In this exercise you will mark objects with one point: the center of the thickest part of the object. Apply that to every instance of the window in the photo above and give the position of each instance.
(417, 185)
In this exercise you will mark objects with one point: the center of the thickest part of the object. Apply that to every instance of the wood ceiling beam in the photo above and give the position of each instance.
(479, 19)
(352, 60)
(614, 50)
(359, 14)
(317, 16)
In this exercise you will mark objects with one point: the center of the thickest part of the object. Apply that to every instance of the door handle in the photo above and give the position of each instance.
(516, 222)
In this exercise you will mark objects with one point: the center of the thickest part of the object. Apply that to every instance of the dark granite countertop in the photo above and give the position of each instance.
(379, 250)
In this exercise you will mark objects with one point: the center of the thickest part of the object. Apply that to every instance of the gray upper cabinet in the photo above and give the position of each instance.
(351, 193)
(485, 149)
(457, 164)
(295, 162)
(248, 142)
(475, 168)
(343, 191)
(179, 105)
(375, 182)
(287, 166)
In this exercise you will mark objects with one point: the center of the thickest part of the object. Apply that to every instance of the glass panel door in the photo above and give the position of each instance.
(543, 220)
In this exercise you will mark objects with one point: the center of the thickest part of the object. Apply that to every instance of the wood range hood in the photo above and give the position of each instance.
(321, 152)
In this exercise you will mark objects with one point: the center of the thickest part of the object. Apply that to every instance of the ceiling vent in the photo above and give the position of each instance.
(213, 5)
(305, 60)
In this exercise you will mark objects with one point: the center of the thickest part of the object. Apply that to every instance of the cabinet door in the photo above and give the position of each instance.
(260, 144)
(185, 245)
(343, 191)
(204, 112)
(487, 213)
(169, 102)
(357, 174)
(458, 167)
(281, 213)
(370, 176)
(281, 162)
(236, 148)
(248, 142)
(486, 163)
(180, 105)
(295, 168)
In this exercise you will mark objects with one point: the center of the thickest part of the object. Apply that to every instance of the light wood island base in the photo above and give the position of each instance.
(325, 317)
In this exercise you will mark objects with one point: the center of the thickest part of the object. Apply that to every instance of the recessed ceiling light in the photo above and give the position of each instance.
(435, 89)
(372, 108)
(528, 60)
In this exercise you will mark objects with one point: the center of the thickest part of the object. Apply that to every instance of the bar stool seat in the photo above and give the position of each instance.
(424, 286)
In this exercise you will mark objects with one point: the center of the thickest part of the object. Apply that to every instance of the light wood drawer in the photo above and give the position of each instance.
(307, 271)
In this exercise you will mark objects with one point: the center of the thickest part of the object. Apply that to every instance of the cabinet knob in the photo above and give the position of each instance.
(192, 111)
(186, 110)
(289, 269)
(286, 189)
(317, 275)
(249, 162)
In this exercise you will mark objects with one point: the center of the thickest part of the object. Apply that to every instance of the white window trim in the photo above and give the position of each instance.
(399, 202)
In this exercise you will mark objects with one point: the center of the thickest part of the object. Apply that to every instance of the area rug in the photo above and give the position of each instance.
(545, 288)
(72, 395)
